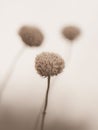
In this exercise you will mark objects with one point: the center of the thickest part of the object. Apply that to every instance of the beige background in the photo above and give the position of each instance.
(74, 93)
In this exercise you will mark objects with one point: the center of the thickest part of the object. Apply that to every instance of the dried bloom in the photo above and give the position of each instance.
(31, 36)
(49, 64)
(71, 32)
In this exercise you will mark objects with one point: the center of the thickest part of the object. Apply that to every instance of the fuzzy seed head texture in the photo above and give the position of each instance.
(71, 32)
(31, 36)
(49, 64)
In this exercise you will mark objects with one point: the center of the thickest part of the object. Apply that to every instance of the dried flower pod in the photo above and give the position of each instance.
(49, 64)
(31, 36)
(71, 32)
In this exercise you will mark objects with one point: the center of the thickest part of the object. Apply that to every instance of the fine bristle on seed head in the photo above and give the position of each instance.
(49, 64)
(31, 36)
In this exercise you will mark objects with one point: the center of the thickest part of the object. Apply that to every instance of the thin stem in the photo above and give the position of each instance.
(70, 52)
(46, 103)
(38, 118)
(11, 70)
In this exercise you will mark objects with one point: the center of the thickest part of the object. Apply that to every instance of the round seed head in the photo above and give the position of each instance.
(49, 64)
(71, 32)
(31, 36)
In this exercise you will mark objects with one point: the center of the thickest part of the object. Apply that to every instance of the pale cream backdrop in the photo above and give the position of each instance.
(74, 93)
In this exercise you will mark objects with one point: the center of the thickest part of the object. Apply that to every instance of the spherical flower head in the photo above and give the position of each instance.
(31, 36)
(49, 64)
(71, 32)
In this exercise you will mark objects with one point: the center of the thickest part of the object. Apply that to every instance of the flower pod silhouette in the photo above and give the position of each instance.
(48, 64)
(31, 36)
(71, 32)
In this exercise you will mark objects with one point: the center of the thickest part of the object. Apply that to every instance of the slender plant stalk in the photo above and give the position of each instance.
(11, 70)
(46, 103)
(70, 52)
(38, 118)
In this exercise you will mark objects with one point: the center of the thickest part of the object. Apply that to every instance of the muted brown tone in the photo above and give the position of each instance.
(49, 64)
(71, 32)
(31, 36)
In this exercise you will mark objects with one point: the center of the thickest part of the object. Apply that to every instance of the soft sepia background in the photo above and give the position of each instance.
(74, 94)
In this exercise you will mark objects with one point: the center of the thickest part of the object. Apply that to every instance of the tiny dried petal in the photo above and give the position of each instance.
(71, 32)
(49, 64)
(31, 36)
